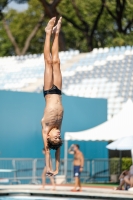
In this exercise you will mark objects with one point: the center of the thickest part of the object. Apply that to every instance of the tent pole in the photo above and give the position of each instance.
(132, 155)
(120, 157)
(65, 159)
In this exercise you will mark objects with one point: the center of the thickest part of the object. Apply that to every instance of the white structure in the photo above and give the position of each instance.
(119, 126)
(124, 143)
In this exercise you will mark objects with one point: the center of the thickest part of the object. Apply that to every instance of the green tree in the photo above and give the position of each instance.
(82, 17)
(120, 21)
(82, 20)
(86, 25)
(4, 3)
(21, 28)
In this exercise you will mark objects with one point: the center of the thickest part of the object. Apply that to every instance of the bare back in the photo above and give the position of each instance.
(53, 113)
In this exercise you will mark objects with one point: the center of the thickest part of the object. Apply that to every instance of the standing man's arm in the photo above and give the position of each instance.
(82, 162)
(70, 150)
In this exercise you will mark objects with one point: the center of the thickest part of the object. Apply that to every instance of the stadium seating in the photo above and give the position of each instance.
(103, 73)
(17, 72)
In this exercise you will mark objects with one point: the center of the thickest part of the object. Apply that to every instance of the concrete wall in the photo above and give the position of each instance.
(20, 127)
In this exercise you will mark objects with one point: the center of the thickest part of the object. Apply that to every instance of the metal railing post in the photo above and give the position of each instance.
(34, 171)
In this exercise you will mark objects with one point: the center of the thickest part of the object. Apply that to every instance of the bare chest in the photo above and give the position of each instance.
(52, 117)
(77, 156)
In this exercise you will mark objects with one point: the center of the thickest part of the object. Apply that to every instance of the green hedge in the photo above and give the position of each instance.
(126, 163)
(114, 165)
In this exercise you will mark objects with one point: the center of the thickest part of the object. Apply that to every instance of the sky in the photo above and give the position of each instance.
(18, 7)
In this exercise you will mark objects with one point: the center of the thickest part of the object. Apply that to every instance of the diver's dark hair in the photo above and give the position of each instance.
(52, 145)
(77, 145)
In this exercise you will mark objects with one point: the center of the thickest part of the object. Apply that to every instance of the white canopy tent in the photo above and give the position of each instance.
(124, 143)
(119, 126)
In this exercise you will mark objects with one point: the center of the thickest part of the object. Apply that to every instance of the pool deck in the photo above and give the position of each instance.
(65, 191)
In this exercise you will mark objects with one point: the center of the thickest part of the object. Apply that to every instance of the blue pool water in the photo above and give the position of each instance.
(37, 198)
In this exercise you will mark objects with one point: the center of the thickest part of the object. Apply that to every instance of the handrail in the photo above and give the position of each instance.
(20, 169)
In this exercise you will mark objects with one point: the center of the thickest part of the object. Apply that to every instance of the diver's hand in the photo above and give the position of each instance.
(51, 173)
(55, 172)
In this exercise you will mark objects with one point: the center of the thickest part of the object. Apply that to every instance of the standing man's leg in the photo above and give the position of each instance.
(79, 184)
(57, 78)
(76, 177)
(48, 74)
(75, 185)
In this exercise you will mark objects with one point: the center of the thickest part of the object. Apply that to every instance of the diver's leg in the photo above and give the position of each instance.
(43, 178)
(48, 73)
(52, 181)
(57, 78)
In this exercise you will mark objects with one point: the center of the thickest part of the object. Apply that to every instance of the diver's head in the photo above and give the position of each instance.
(54, 139)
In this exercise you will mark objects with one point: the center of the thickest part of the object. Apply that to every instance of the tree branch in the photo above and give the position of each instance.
(109, 11)
(78, 14)
(128, 26)
(123, 5)
(2, 6)
(1, 15)
(119, 12)
(55, 3)
(28, 40)
(51, 11)
(97, 18)
(10, 36)
(73, 23)
(32, 34)
(47, 7)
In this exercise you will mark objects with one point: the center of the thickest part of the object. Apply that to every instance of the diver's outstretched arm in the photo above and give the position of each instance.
(57, 162)
(47, 151)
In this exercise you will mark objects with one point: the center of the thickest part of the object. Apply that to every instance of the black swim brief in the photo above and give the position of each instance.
(53, 90)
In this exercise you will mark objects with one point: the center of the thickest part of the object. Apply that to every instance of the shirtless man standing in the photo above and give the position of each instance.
(78, 163)
(53, 113)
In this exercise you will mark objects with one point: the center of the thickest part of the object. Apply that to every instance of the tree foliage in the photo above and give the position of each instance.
(86, 25)
(23, 33)
(83, 18)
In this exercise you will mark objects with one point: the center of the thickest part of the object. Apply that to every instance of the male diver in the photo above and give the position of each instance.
(53, 113)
